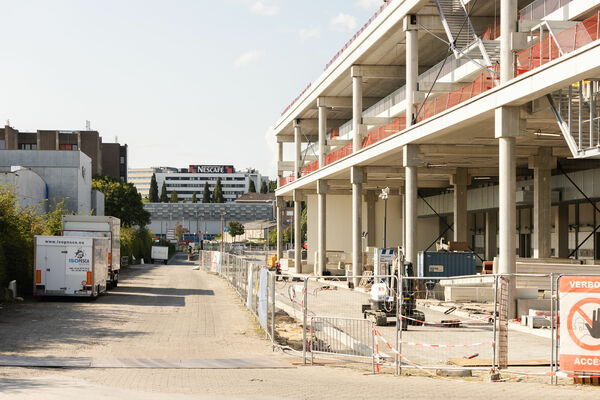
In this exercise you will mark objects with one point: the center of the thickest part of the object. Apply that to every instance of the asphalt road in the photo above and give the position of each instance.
(174, 313)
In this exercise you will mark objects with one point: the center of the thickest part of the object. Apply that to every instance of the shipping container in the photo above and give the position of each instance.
(70, 266)
(94, 226)
(444, 264)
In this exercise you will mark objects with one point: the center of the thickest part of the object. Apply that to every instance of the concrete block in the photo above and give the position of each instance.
(537, 322)
(524, 305)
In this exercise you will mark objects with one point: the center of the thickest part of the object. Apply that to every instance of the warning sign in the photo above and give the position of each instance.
(580, 323)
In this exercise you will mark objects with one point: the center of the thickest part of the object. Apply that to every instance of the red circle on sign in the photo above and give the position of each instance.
(574, 309)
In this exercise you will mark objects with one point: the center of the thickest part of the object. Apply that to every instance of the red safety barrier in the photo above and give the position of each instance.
(338, 154)
(287, 179)
(357, 34)
(552, 47)
(312, 167)
(296, 99)
(380, 133)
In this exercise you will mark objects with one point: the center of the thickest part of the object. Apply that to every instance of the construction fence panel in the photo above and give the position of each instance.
(337, 304)
(449, 322)
(349, 337)
(253, 282)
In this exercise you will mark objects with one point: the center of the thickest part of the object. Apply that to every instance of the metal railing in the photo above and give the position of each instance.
(342, 337)
(541, 8)
(253, 282)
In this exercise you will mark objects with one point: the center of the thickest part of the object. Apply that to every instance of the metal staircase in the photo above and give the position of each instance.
(460, 32)
(576, 110)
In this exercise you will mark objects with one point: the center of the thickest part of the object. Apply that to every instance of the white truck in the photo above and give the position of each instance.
(70, 266)
(92, 226)
(159, 253)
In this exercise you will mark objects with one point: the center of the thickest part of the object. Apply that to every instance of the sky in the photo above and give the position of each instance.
(179, 81)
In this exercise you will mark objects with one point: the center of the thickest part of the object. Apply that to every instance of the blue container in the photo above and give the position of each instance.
(442, 264)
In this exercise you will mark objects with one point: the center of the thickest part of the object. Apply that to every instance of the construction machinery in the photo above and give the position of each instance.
(383, 297)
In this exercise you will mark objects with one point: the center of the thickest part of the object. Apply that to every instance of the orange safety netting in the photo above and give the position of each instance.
(552, 47)
(484, 82)
(338, 154)
(312, 167)
(287, 179)
(380, 133)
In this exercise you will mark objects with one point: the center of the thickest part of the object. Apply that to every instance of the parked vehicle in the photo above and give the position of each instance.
(70, 266)
(159, 254)
(92, 226)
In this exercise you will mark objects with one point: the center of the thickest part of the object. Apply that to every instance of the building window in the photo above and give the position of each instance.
(67, 147)
(122, 160)
(27, 146)
(2, 144)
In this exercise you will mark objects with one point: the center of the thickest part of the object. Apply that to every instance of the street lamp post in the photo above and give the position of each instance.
(384, 195)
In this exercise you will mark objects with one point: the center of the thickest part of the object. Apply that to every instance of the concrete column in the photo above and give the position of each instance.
(491, 231)
(321, 228)
(357, 178)
(508, 25)
(410, 159)
(412, 65)
(371, 199)
(460, 181)
(357, 110)
(403, 215)
(561, 230)
(507, 127)
(279, 159)
(280, 206)
(298, 148)
(297, 231)
(322, 135)
(542, 165)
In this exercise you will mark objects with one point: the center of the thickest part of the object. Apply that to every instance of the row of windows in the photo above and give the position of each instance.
(183, 185)
(33, 146)
(203, 178)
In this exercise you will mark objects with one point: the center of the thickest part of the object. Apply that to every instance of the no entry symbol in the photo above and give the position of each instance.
(584, 326)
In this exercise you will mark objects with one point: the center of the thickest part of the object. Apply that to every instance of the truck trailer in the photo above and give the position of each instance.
(159, 253)
(70, 266)
(92, 226)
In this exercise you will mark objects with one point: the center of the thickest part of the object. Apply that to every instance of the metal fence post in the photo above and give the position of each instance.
(494, 341)
(273, 311)
(552, 326)
(304, 313)
(400, 321)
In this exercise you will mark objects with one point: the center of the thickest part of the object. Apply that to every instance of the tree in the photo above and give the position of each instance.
(206, 193)
(272, 186)
(251, 187)
(235, 229)
(263, 187)
(153, 193)
(163, 194)
(121, 200)
(194, 198)
(218, 193)
(174, 198)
